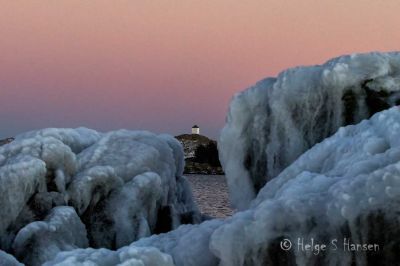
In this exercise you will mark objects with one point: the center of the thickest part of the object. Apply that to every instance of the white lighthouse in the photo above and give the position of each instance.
(195, 130)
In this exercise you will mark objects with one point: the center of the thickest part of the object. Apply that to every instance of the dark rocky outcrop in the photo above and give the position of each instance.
(201, 155)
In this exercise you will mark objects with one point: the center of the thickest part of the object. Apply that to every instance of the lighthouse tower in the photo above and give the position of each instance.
(195, 130)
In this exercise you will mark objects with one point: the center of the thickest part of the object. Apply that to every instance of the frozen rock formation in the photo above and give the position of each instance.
(343, 193)
(187, 245)
(121, 186)
(345, 188)
(274, 122)
(127, 256)
(8, 260)
(40, 241)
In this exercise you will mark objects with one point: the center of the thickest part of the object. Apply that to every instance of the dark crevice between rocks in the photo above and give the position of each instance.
(38, 206)
(257, 169)
(24, 257)
(248, 161)
(255, 159)
(255, 162)
(375, 227)
(376, 100)
(187, 218)
(25, 217)
(350, 106)
(384, 231)
(42, 203)
(50, 180)
(164, 220)
(98, 224)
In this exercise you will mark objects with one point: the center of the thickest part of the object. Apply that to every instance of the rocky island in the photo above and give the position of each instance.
(201, 155)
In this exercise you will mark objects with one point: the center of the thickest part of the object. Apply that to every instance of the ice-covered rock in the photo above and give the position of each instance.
(40, 241)
(8, 260)
(122, 186)
(188, 244)
(275, 121)
(343, 193)
(127, 256)
(34, 164)
(343, 189)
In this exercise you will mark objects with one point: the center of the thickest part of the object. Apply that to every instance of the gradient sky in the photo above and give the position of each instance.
(164, 65)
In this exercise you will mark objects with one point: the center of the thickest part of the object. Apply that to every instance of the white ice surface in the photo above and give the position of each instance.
(127, 256)
(40, 241)
(272, 123)
(8, 260)
(336, 186)
(116, 183)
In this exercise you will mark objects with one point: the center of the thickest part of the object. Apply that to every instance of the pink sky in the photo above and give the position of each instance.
(164, 65)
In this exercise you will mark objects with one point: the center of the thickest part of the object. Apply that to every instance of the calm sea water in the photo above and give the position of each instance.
(211, 194)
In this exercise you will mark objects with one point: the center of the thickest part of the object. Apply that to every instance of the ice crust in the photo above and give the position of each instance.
(127, 256)
(120, 186)
(8, 260)
(272, 123)
(40, 241)
(346, 187)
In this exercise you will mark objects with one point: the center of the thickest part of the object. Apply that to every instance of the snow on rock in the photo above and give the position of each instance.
(8, 260)
(275, 121)
(188, 244)
(127, 256)
(76, 139)
(344, 189)
(19, 181)
(33, 164)
(140, 196)
(40, 241)
(339, 189)
(122, 185)
(116, 168)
